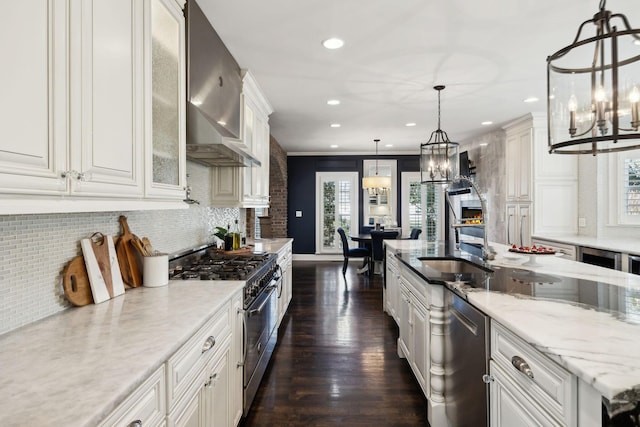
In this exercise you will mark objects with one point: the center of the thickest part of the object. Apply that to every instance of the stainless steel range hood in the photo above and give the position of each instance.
(214, 89)
(205, 145)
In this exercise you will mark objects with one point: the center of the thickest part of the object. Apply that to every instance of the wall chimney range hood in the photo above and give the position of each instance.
(214, 88)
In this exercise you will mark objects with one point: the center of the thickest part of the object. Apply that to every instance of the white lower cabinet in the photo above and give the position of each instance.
(527, 388)
(391, 290)
(200, 385)
(285, 259)
(510, 406)
(145, 406)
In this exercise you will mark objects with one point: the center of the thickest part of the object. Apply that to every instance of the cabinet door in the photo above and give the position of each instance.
(404, 322)
(192, 415)
(216, 393)
(420, 337)
(518, 159)
(512, 220)
(165, 99)
(510, 406)
(237, 340)
(391, 291)
(33, 105)
(524, 224)
(107, 95)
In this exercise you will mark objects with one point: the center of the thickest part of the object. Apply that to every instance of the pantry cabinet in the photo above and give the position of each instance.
(76, 101)
(541, 188)
(247, 187)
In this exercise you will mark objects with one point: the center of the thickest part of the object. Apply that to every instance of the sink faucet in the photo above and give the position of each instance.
(487, 252)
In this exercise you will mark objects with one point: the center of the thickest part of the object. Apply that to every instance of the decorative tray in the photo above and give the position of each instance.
(533, 250)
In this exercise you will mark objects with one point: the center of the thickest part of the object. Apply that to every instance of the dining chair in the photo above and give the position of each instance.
(377, 251)
(348, 252)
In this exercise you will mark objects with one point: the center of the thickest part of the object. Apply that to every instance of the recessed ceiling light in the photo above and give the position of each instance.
(333, 146)
(222, 122)
(333, 43)
(487, 123)
(335, 125)
(333, 102)
(410, 124)
(531, 99)
(483, 144)
(388, 145)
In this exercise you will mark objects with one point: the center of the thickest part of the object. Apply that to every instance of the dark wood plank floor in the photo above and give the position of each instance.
(336, 361)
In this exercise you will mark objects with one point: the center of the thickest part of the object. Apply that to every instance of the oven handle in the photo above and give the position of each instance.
(244, 334)
(255, 311)
(279, 279)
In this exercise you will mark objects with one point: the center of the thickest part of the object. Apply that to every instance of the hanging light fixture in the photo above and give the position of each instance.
(376, 184)
(593, 89)
(439, 156)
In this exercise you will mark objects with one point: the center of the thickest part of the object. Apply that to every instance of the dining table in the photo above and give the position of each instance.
(365, 240)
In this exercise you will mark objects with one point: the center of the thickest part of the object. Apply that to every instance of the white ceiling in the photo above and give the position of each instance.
(489, 54)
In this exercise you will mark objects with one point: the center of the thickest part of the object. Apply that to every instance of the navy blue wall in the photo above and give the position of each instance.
(301, 171)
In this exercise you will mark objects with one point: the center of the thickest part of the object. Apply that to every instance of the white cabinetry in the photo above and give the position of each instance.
(165, 150)
(285, 258)
(527, 388)
(519, 224)
(392, 288)
(541, 189)
(146, 405)
(73, 105)
(247, 187)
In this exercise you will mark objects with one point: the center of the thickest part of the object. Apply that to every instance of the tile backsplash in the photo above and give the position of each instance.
(34, 249)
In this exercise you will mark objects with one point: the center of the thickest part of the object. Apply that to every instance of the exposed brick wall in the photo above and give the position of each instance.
(277, 192)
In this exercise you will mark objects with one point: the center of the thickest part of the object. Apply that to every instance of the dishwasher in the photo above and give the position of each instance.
(466, 360)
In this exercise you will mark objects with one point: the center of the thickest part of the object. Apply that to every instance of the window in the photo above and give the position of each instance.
(625, 186)
(415, 213)
(336, 206)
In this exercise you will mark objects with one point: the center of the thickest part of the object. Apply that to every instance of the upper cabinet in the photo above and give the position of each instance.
(542, 187)
(166, 134)
(78, 95)
(247, 187)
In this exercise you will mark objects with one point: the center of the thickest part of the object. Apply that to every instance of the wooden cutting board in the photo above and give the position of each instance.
(102, 267)
(75, 282)
(128, 258)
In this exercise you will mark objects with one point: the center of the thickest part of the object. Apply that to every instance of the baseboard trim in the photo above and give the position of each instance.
(319, 257)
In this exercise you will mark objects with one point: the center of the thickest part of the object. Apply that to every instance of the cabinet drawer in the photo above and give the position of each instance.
(192, 357)
(146, 404)
(552, 387)
(567, 251)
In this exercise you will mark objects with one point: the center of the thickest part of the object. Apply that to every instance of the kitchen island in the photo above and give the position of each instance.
(584, 318)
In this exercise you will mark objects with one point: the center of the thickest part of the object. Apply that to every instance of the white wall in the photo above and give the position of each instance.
(35, 248)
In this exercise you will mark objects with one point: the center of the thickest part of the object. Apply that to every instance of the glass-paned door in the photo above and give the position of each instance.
(422, 207)
(411, 202)
(336, 206)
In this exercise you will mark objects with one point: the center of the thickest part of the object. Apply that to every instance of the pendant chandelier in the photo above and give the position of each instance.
(376, 184)
(439, 156)
(593, 89)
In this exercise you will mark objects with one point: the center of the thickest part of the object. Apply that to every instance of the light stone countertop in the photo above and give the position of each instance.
(75, 367)
(628, 245)
(270, 245)
(599, 347)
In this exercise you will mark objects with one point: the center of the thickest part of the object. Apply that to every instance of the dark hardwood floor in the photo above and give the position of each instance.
(336, 361)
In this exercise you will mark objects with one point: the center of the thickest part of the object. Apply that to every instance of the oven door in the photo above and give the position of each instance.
(261, 318)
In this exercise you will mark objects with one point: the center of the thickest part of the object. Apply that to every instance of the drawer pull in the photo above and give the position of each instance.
(208, 344)
(136, 423)
(521, 365)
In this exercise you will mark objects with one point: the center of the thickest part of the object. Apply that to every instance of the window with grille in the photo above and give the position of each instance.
(632, 186)
(336, 206)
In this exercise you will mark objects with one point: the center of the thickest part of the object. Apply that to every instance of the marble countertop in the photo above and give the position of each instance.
(598, 345)
(270, 245)
(629, 245)
(75, 367)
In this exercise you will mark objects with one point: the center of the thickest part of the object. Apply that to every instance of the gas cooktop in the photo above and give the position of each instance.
(211, 264)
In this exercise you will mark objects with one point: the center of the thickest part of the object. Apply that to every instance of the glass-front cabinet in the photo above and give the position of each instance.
(166, 161)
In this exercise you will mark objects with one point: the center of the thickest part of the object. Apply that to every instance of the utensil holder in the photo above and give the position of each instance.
(155, 270)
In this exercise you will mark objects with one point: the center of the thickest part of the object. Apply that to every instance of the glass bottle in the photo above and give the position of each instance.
(236, 236)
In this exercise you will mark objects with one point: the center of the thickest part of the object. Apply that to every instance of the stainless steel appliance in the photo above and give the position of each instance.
(263, 282)
(634, 264)
(466, 355)
(600, 257)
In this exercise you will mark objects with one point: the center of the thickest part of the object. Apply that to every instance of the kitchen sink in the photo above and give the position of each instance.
(456, 266)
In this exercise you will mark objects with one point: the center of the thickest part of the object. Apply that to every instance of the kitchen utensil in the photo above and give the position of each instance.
(75, 282)
(146, 244)
(128, 259)
(102, 267)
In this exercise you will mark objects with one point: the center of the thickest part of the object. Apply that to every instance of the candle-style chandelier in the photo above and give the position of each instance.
(439, 156)
(593, 89)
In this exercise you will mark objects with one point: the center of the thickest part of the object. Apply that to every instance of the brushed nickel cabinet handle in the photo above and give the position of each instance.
(208, 344)
(521, 365)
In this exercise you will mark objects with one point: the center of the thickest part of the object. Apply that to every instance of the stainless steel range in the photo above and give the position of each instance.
(263, 284)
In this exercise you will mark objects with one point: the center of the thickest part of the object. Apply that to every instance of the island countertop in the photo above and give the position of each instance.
(585, 318)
